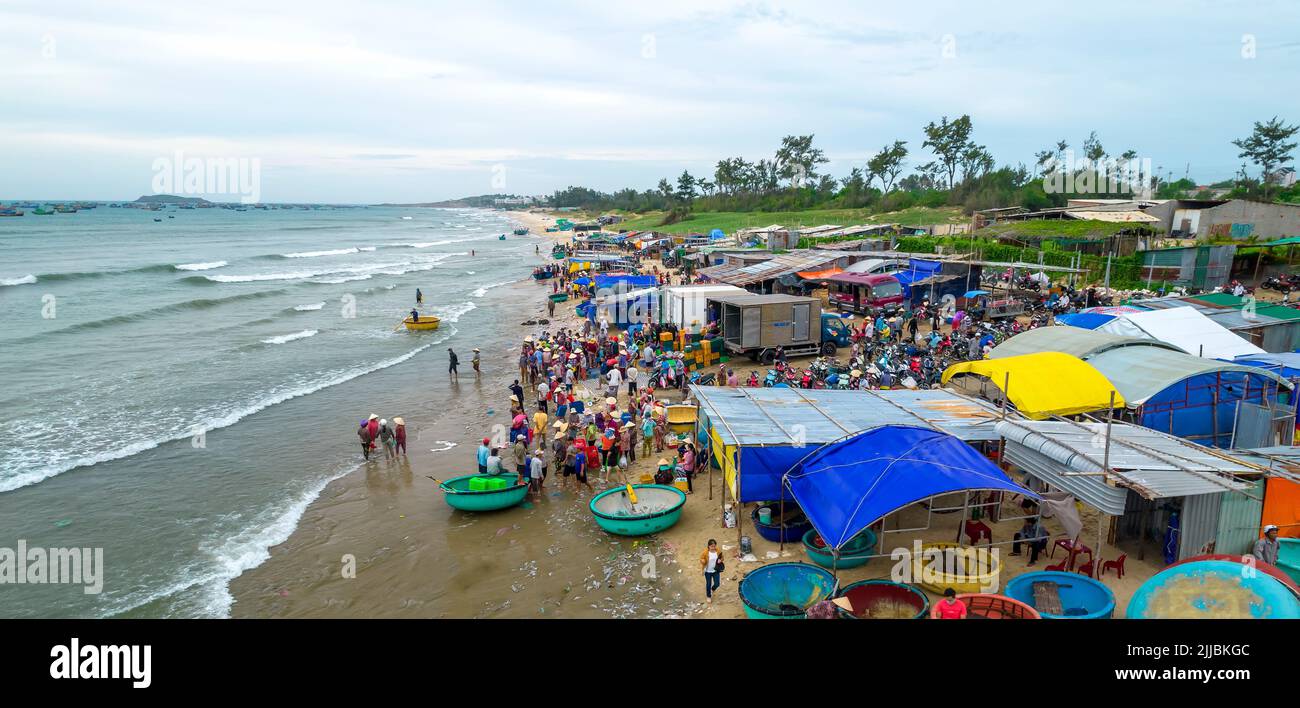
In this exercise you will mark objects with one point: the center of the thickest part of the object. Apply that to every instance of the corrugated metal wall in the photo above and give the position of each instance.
(1239, 520)
(1199, 523)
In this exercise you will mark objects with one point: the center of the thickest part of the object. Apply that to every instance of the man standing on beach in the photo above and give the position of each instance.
(364, 433)
(483, 453)
(474, 362)
(518, 392)
(452, 362)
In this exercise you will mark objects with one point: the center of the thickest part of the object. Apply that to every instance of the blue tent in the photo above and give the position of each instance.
(584, 281)
(1085, 320)
(716, 234)
(846, 486)
(1285, 364)
(625, 282)
(917, 269)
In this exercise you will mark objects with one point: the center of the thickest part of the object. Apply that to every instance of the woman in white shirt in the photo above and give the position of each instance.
(711, 561)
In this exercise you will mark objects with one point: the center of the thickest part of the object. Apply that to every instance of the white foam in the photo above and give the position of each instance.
(446, 445)
(309, 308)
(484, 290)
(318, 254)
(200, 266)
(284, 338)
(347, 279)
(452, 313)
(366, 248)
(32, 473)
(25, 280)
(303, 274)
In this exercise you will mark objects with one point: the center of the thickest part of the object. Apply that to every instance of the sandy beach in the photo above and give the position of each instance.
(382, 542)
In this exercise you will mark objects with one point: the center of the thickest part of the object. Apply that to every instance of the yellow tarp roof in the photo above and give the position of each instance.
(1044, 384)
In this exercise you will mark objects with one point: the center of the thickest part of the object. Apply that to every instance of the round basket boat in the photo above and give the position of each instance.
(483, 492)
(657, 507)
(1212, 589)
(785, 590)
(854, 554)
(1277, 571)
(1080, 597)
(426, 324)
(982, 605)
(559, 297)
(1288, 557)
(794, 527)
(946, 565)
(882, 599)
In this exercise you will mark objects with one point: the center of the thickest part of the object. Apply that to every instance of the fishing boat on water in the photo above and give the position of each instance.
(521, 232)
(42, 212)
(10, 211)
(424, 324)
(502, 237)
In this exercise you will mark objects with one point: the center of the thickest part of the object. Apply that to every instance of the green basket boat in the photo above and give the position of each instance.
(559, 297)
(657, 507)
(483, 492)
(854, 554)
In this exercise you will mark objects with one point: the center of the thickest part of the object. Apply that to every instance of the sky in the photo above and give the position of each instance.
(424, 100)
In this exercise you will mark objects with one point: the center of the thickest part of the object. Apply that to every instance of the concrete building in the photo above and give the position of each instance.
(1235, 218)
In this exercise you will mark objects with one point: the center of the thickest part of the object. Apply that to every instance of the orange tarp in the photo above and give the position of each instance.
(1282, 507)
(819, 274)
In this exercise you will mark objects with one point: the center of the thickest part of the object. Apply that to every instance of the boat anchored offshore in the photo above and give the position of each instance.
(424, 324)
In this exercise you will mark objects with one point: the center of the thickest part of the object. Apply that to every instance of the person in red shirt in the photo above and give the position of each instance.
(950, 608)
(400, 433)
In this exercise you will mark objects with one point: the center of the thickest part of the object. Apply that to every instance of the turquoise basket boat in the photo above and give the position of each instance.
(856, 553)
(1081, 597)
(1212, 589)
(1288, 557)
(469, 492)
(657, 507)
(785, 590)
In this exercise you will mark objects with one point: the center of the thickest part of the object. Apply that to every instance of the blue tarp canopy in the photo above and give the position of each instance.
(917, 269)
(846, 486)
(1284, 364)
(716, 234)
(582, 281)
(1085, 320)
(625, 282)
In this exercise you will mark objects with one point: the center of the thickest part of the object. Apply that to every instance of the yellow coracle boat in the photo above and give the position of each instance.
(681, 417)
(426, 323)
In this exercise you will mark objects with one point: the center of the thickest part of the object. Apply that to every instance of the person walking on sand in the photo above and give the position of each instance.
(474, 362)
(520, 451)
(363, 432)
(399, 434)
(647, 435)
(537, 473)
(387, 440)
(452, 362)
(711, 562)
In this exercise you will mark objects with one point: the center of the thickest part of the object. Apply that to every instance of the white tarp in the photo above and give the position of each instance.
(1183, 327)
(875, 265)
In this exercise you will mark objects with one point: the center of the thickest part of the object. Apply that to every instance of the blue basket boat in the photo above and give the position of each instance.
(1288, 557)
(795, 525)
(785, 590)
(657, 507)
(1212, 589)
(483, 492)
(854, 554)
(1081, 597)
(883, 599)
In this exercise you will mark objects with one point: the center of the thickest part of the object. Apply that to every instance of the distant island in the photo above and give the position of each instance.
(482, 201)
(170, 199)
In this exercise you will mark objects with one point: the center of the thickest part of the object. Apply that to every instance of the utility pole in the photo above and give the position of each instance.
(1108, 255)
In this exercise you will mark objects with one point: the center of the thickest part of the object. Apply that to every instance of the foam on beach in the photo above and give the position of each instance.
(201, 266)
(25, 280)
(319, 254)
(285, 338)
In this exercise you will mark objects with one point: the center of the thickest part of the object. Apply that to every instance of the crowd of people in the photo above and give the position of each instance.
(375, 432)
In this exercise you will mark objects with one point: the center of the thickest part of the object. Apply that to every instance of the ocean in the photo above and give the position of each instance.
(178, 392)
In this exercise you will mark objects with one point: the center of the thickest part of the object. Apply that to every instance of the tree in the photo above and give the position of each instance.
(1092, 148)
(686, 185)
(1052, 158)
(886, 164)
(797, 160)
(666, 190)
(948, 141)
(976, 161)
(1267, 148)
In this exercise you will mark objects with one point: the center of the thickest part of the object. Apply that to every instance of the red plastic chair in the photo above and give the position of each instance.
(1059, 567)
(1116, 565)
(1086, 568)
(976, 530)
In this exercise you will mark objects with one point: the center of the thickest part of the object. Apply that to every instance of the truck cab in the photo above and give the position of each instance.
(865, 292)
(834, 333)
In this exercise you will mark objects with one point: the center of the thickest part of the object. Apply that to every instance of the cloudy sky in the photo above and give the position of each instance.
(420, 100)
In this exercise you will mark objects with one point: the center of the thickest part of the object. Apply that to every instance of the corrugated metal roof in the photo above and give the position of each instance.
(1074, 341)
(1148, 461)
(790, 416)
(1117, 216)
(777, 266)
(1280, 460)
(1141, 372)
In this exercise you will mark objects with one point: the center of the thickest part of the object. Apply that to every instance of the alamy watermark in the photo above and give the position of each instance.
(36, 565)
(1071, 175)
(196, 176)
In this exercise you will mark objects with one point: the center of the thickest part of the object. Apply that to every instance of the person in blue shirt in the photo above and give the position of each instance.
(483, 453)
(986, 340)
